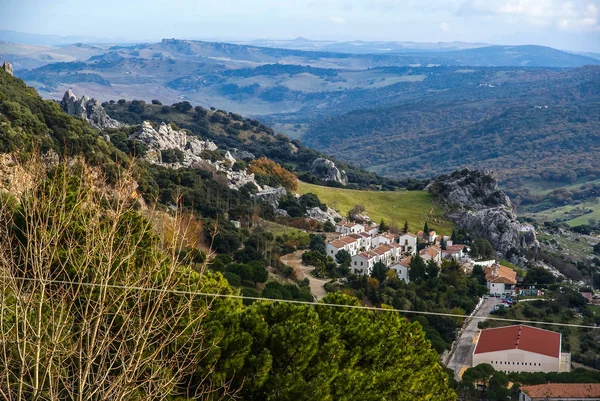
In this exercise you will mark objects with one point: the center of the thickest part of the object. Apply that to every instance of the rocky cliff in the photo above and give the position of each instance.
(327, 170)
(7, 67)
(88, 109)
(473, 201)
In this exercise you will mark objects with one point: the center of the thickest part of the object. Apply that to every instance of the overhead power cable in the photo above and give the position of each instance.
(292, 301)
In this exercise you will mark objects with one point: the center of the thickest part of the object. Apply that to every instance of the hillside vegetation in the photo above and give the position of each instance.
(528, 126)
(395, 207)
(97, 303)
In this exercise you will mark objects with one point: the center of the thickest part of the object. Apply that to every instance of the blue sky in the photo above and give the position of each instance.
(571, 24)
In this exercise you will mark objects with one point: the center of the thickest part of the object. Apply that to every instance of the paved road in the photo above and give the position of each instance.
(463, 354)
(294, 260)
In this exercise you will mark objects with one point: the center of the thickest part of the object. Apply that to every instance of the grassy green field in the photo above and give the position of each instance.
(280, 229)
(563, 213)
(543, 188)
(416, 207)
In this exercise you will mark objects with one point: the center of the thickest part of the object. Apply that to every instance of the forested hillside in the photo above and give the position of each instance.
(526, 126)
(100, 301)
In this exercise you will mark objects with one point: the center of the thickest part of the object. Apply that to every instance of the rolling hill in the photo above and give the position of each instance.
(527, 127)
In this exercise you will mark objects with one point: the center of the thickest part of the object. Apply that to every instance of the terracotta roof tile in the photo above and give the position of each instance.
(563, 390)
(348, 240)
(521, 337)
(500, 274)
(337, 243)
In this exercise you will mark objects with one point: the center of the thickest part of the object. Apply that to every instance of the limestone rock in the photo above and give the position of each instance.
(322, 216)
(474, 201)
(242, 154)
(271, 196)
(190, 147)
(166, 138)
(326, 170)
(88, 109)
(7, 67)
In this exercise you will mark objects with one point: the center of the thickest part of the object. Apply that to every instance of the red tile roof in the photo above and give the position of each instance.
(367, 255)
(355, 236)
(348, 240)
(455, 247)
(500, 274)
(521, 337)
(431, 251)
(337, 243)
(410, 234)
(405, 262)
(563, 390)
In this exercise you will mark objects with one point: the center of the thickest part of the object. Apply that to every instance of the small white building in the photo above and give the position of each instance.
(366, 241)
(408, 242)
(363, 263)
(372, 230)
(346, 228)
(432, 253)
(347, 243)
(401, 268)
(500, 279)
(519, 348)
(455, 252)
(382, 239)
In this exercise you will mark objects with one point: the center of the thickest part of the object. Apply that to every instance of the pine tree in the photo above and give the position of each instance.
(426, 230)
(405, 229)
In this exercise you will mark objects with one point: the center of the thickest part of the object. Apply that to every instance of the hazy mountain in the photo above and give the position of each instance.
(53, 40)
(360, 46)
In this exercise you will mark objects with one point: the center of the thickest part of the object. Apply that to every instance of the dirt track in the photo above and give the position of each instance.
(294, 260)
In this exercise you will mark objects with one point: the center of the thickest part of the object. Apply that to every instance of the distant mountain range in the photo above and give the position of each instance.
(417, 110)
(53, 40)
(360, 46)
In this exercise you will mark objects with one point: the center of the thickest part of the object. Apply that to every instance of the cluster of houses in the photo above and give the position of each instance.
(367, 246)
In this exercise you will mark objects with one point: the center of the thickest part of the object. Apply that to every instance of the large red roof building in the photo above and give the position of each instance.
(519, 349)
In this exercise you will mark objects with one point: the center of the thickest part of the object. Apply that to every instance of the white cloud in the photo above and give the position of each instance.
(444, 27)
(337, 20)
(565, 15)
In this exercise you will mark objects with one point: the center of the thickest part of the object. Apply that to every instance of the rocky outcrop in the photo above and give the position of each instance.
(270, 195)
(176, 148)
(322, 216)
(326, 170)
(165, 138)
(474, 202)
(242, 154)
(7, 67)
(88, 109)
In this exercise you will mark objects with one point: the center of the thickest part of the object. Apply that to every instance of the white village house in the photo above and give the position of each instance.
(500, 279)
(408, 242)
(346, 228)
(387, 254)
(401, 267)
(349, 243)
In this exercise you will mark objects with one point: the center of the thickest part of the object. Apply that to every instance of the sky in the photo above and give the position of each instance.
(571, 25)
